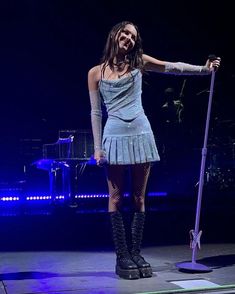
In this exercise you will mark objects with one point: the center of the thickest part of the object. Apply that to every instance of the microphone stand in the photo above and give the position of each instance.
(195, 235)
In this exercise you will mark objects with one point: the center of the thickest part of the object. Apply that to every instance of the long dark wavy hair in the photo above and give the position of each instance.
(134, 57)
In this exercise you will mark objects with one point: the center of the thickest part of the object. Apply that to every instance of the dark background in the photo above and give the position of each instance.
(47, 48)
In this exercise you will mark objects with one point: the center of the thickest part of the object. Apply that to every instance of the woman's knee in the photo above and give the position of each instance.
(139, 201)
(115, 203)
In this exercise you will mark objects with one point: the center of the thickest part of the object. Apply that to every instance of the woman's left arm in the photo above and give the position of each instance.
(180, 68)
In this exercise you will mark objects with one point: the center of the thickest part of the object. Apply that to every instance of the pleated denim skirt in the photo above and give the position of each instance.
(129, 142)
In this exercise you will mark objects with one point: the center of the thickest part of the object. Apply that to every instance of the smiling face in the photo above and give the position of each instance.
(126, 38)
(123, 44)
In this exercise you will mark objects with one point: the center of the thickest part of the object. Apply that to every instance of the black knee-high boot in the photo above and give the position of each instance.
(125, 267)
(137, 228)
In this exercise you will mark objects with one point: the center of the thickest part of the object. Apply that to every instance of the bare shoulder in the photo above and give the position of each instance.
(94, 72)
(94, 75)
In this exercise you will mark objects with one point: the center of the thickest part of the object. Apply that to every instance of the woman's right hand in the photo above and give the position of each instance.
(100, 157)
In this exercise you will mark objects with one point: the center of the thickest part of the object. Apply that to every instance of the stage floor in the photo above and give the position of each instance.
(92, 271)
(61, 250)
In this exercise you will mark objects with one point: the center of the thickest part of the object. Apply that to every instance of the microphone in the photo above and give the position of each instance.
(212, 57)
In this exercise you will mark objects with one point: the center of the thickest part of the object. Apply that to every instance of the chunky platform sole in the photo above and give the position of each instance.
(145, 272)
(130, 274)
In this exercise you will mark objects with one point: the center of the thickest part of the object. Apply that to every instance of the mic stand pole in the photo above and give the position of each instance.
(193, 266)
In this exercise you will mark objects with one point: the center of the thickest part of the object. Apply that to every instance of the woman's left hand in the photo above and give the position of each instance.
(213, 64)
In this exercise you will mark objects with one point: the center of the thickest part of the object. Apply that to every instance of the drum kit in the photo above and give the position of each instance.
(221, 155)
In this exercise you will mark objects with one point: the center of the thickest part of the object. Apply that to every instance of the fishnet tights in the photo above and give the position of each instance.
(139, 175)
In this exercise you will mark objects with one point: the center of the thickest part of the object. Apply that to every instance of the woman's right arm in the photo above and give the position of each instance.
(96, 112)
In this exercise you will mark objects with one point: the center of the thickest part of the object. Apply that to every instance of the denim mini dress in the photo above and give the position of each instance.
(127, 135)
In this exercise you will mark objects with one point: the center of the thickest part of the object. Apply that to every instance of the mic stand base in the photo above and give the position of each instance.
(193, 267)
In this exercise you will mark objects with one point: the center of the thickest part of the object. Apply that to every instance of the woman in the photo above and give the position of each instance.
(127, 139)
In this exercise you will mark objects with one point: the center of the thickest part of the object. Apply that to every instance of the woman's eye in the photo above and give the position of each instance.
(127, 33)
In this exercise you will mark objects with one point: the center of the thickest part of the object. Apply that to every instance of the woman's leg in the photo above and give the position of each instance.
(115, 178)
(125, 267)
(139, 179)
(140, 174)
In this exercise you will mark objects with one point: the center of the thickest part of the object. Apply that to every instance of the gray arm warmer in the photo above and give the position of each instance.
(96, 119)
(181, 68)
